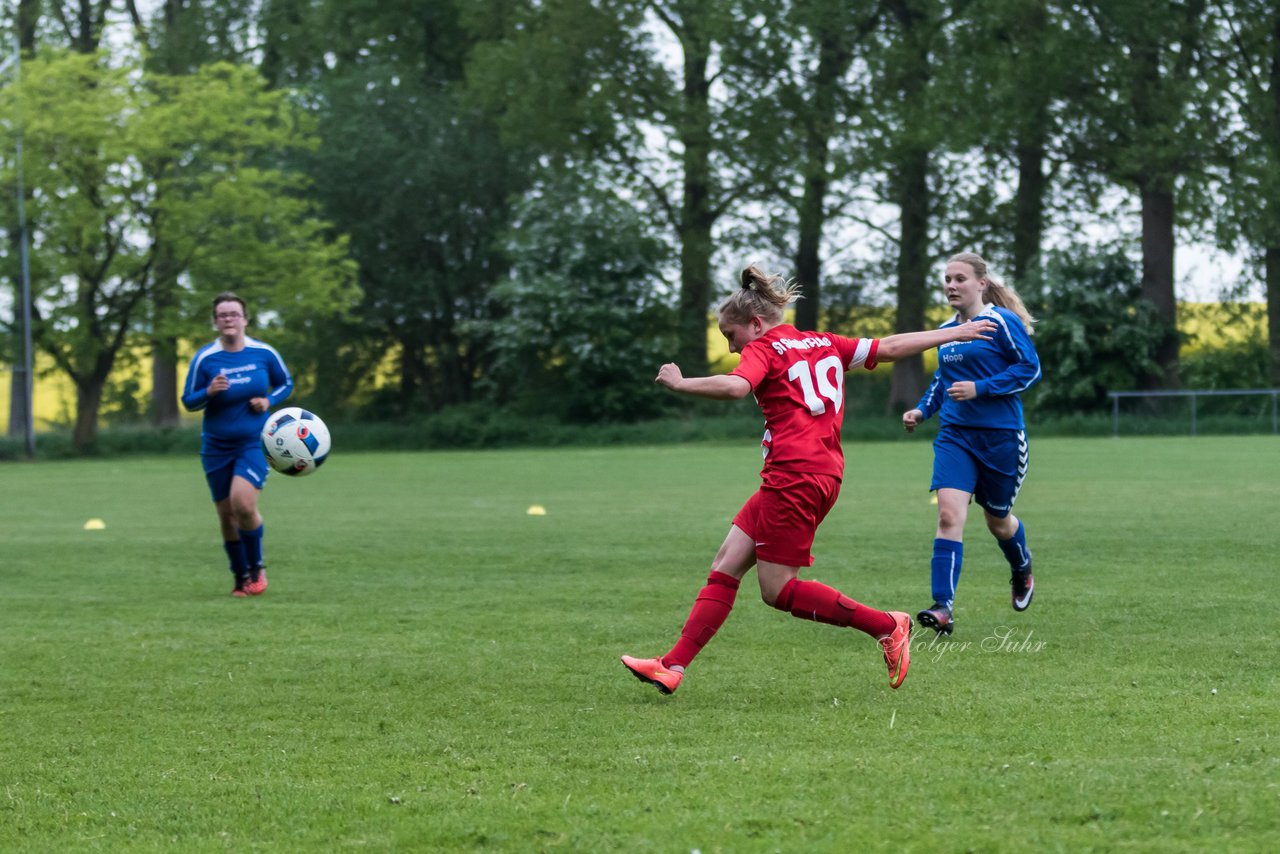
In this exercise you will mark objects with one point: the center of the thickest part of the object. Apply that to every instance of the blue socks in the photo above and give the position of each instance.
(948, 555)
(235, 553)
(1015, 549)
(252, 546)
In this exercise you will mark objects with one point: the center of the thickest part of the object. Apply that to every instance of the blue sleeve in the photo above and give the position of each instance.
(1024, 364)
(281, 380)
(931, 400)
(195, 392)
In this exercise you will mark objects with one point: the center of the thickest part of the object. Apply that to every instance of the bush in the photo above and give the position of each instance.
(1095, 334)
(1234, 366)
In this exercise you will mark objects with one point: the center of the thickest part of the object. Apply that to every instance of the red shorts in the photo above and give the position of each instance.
(784, 515)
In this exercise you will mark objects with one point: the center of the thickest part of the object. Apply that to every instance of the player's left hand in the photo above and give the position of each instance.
(259, 404)
(963, 390)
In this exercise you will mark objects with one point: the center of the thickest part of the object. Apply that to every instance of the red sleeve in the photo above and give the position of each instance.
(857, 351)
(753, 366)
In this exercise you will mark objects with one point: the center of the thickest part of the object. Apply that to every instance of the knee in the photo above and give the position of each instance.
(777, 595)
(949, 519)
(1002, 527)
(242, 513)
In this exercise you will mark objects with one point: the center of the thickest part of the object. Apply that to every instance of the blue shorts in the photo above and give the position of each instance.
(248, 462)
(989, 464)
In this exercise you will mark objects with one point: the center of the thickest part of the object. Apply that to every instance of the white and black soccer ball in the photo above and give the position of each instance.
(295, 441)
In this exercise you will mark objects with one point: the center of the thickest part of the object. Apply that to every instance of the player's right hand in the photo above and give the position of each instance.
(220, 383)
(911, 419)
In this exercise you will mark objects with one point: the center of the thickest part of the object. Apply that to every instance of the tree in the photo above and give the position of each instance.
(904, 129)
(1147, 120)
(1248, 55)
(82, 22)
(1095, 334)
(416, 175)
(1013, 72)
(121, 162)
(26, 22)
(422, 185)
(797, 81)
(645, 87)
(182, 36)
(581, 328)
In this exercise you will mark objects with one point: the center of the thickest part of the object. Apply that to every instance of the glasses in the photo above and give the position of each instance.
(228, 315)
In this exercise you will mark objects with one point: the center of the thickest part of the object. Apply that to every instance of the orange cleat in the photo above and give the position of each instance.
(240, 592)
(897, 648)
(257, 583)
(651, 670)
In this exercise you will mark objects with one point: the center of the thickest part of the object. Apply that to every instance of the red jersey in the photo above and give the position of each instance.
(798, 380)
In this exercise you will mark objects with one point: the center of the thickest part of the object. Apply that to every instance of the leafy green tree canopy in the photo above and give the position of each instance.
(118, 160)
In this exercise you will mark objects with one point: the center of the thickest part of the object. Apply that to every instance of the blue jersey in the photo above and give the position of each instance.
(1001, 369)
(229, 422)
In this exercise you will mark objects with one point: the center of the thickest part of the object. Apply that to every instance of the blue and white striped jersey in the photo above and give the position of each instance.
(1001, 370)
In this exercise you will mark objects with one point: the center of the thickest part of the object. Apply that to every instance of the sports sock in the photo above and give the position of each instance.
(252, 546)
(710, 610)
(813, 600)
(236, 554)
(1015, 549)
(948, 556)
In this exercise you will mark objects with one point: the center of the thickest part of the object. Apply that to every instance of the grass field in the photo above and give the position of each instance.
(433, 669)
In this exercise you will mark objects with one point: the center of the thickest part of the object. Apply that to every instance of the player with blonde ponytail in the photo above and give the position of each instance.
(981, 449)
(798, 381)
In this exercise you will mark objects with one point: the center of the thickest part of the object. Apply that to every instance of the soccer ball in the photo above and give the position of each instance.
(295, 441)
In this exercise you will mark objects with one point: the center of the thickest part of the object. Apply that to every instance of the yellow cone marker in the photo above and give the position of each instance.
(933, 500)
(536, 510)
(95, 525)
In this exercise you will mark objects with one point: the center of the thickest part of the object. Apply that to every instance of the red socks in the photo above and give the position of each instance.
(710, 610)
(808, 600)
(813, 600)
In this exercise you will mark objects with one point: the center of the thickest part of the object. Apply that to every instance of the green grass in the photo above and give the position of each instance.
(434, 669)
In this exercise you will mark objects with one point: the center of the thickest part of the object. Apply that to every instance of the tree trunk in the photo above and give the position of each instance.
(697, 217)
(911, 187)
(164, 383)
(1028, 220)
(808, 249)
(1031, 135)
(834, 57)
(26, 20)
(164, 347)
(18, 394)
(88, 405)
(1157, 276)
(1272, 274)
(907, 382)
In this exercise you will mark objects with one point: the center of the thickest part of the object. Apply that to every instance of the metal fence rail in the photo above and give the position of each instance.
(1194, 394)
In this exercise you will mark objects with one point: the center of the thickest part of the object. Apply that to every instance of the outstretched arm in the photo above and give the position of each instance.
(719, 387)
(910, 343)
